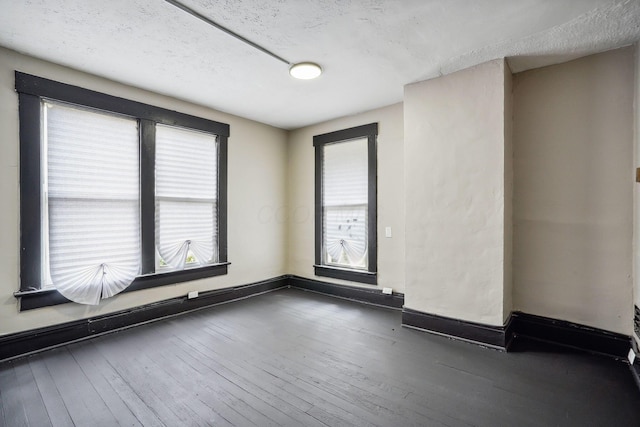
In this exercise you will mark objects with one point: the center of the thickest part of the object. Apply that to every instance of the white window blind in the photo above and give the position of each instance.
(344, 202)
(92, 230)
(186, 198)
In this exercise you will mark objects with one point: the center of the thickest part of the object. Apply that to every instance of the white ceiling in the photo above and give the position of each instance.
(369, 49)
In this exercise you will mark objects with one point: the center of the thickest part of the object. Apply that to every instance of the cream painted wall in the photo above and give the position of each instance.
(507, 302)
(455, 179)
(573, 213)
(390, 195)
(257, 181)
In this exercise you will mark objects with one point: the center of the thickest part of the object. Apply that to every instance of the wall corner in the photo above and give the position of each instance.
(508, 192)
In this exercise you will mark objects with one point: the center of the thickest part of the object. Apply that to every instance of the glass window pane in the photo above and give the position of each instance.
(186, 198)
(344, 200)
(345, 236)
(92, 226)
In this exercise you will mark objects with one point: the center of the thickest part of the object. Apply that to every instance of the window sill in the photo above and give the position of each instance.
(359, 276)
(48, 297)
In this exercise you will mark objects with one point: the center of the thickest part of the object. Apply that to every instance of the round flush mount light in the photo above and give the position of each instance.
(305, 70)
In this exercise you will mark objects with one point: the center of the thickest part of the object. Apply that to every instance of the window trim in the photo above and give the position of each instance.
(369, 276)
(31, 91)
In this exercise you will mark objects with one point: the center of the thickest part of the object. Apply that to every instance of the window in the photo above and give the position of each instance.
(90, 197)
(186, 198)
(345, 219)
(115, 195)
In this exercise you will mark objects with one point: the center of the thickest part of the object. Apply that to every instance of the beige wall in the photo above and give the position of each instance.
(507, 303)
(573, 163)
(257, 180)
(455, 176)
(390, 195)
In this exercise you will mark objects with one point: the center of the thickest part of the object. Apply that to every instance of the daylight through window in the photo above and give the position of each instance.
(115, 195)
(346, 204)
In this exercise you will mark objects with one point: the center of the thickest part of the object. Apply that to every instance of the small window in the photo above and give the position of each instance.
(115, 195)
(346, 204)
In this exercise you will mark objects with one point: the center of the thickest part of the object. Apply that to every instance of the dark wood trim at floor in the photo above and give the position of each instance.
(26, 342)
(498, 337)
(22, 343)
(635, 371)
(367, 295)
(570, 334)
(520, 324)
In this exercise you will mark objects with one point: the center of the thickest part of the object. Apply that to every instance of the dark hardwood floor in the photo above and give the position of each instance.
(297, 358)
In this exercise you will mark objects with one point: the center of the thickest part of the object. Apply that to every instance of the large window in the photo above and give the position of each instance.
(115, 195)
(346, 204)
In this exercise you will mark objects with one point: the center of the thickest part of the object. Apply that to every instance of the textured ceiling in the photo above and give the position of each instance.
(369, 49)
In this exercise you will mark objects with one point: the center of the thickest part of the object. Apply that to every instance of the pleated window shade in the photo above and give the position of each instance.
(344, 203)
(92, 226)
(186, 198)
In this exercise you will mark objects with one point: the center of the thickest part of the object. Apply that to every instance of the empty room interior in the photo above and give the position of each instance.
(321, 213)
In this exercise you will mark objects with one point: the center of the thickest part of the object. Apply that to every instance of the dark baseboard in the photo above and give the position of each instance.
(371, 296)
(559, 332)
(635, 371)
(570, 334)
(22, 343)
(498, 337)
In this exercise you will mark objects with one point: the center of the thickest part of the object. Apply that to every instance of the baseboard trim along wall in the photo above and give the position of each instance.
(498, 337)
(367, 295)
(570, 334)
(520, 324)
(635, 371)
(23, 343)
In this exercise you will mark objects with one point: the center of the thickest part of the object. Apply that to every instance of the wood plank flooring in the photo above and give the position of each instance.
(295, 358)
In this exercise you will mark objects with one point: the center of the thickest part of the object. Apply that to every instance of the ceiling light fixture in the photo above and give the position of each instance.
(302, 70)
(305, 70)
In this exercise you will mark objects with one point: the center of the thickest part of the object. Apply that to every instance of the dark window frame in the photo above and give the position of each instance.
(31, 91)
(369, 131)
